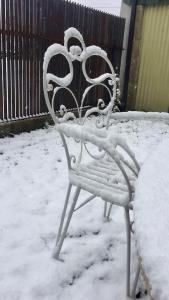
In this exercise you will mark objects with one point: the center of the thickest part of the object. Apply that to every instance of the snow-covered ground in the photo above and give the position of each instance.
(33, 179)
(151, 210)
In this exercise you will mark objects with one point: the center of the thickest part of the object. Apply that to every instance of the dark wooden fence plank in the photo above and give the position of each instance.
(4, 67)
(27, 28)
(1, 72)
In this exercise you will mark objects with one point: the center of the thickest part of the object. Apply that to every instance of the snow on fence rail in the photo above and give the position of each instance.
(27, 28)
(140, 115)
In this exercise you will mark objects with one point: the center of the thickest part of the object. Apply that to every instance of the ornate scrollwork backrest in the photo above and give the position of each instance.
(53, 83)
(81, 54)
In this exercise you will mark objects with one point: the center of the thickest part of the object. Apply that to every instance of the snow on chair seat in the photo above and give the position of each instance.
(99, 188)
(112, 168)
(105, 182)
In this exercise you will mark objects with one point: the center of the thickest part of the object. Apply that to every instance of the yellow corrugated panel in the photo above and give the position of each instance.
(153, 83)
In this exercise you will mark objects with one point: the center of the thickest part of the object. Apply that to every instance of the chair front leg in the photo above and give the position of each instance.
(63, 234)
(64, 212)
(133, 292)
(128, 233)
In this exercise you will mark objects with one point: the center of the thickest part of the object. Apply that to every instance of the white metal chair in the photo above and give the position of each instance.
(112, 169)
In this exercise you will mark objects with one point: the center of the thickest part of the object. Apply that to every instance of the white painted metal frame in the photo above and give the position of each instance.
(113, 163)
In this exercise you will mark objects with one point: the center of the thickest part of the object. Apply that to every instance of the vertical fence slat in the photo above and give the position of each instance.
(8, 61)
(26, 45)
(22, 59)
(17, 104)
(32, 60)
(12, 72)
(29, 63)
(4, 71)
(1, 70)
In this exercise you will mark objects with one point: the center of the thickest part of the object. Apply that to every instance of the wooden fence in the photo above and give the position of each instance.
(27, 28)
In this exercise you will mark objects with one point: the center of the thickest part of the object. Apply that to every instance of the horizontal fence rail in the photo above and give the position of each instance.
(27, 28)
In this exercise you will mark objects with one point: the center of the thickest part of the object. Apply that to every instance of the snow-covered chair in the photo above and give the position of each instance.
(111, 168)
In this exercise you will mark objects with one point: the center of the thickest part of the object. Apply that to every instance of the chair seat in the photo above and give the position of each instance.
(103, 179)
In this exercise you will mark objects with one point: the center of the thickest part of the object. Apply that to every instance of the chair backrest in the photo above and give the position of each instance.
(52, 84)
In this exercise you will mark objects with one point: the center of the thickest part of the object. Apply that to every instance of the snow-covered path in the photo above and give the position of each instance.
(33, 180)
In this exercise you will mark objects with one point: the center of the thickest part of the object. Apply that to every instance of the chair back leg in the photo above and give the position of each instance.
(109, 212)
(105, 210)
(128, 233)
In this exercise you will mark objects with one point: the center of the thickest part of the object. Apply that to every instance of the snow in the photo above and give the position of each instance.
(53, 50)
(73, 32)
(93, 50)
(33, 174)
(152, 219)
(99, 188)
(140, 115)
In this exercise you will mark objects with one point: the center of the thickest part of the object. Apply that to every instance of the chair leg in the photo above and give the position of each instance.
(105, 210)
(128, 232)
(109, 212)
(133, 292)
(64, 212)
(63, 235)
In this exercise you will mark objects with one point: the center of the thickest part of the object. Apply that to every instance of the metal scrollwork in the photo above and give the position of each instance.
(52, 84)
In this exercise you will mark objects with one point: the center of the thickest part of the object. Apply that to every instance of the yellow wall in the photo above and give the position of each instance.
(153, 80)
